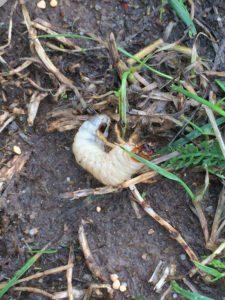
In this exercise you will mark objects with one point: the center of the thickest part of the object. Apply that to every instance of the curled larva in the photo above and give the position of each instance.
(110, 168)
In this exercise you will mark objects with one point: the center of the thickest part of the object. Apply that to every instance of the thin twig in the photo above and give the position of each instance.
(34, 290)
(215, 127)
(41, 274)
(217, 219)
(117, 62)
(86, 192)
(10, 27)
(146, 51)
(69, 274)
(174, 233)
(93, 267)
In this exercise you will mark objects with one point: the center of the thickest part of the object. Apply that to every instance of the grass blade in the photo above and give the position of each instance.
(182, 12)
(206, 129)
(199, 99)
(142, 63)
(209, 270)
(20, 272)
(188, 294)
(216, 263)
(162, 172)
(123, 101)
(221, 84)
(69, 35)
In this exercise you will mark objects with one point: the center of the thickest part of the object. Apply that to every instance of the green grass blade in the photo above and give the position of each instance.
(217, 263)
(182, 12)
(20, 272)
(209, 270)
(162, 172)
(206, 129)
(188, 294)
(221, 84)
(69, 35)
(196, 127)
(142, 63)
(201, 100)
(49, 251)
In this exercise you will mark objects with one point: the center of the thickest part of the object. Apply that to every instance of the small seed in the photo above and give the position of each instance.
(53, 3)
(98, 209)
(116, 284)
(123, 287)
(17, 150)
(41, 4)
(114, 277)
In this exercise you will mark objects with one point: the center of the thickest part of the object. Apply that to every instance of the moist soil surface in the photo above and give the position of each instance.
(33, 212)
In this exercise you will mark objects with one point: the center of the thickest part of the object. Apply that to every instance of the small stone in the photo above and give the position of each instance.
(116, 284)
(151, 231)
(144, 256)
(91, 88)
(98, 209)
(17, 150)
(98, 7)
(183, 257)
(41, 4)
(33, 231)
(123, 287)
(114, 277)
(175, 296)
(68, 179)
(53, 3)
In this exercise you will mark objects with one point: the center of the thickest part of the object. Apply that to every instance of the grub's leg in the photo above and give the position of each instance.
(101, 136)
(134, 136)
(118, 135)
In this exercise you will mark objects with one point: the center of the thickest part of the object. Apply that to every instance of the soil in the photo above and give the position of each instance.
(33, 212)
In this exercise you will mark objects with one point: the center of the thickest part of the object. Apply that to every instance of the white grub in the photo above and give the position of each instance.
(111, 168)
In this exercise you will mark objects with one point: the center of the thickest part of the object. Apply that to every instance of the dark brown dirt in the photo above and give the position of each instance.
(119, 241)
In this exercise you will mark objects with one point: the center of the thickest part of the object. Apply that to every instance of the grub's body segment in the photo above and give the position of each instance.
(111, 168)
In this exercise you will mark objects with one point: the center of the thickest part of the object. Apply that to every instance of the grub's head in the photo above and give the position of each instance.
(144, 150)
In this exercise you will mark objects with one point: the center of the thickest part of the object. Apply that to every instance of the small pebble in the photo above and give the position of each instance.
(116, 284)
(114, 277)
(123, 287)
(151, 231)
(183, 257)
(144, 256)
(33, 231)
(53, 3)
(98, 7)
(98, 209)
(91, 88)
(41, 4)
(17, 150)
(175, 296)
